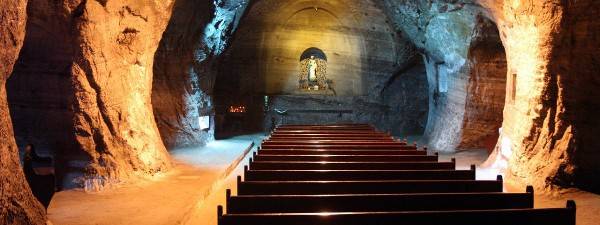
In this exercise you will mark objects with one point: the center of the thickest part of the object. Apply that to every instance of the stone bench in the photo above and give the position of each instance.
(292, 135)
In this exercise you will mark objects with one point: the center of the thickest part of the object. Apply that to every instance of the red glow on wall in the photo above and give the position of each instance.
(237, 109)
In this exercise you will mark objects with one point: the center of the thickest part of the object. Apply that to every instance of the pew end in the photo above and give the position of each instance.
(571, 205)
(219, 214)
(529, 189)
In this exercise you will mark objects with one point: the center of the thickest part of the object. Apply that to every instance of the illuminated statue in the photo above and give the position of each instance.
(312, 69)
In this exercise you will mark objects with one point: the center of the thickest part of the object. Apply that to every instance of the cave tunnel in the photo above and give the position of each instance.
(120, 96)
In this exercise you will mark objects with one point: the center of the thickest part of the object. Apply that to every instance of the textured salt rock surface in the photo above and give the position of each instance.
(112, 79)
(40, 89)
(93, 110)
(549, 130)
(460, 47)
(17, 204)
(184, 74)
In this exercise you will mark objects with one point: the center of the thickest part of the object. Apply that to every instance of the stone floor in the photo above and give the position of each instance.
(166, 199)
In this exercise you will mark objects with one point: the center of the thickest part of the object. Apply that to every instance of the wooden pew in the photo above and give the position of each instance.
(350, 175)
(340, 147)
(326, 125)
(325, 128)
(274, 135)
(339, 152)
(366, 187)
(308, 165)
(337, 132)
(333, 142)
(345, 127)
(285, 138)
(347, 158)
(378, 202)
(551, 216)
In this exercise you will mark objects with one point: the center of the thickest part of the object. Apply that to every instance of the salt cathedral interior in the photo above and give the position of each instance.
(299, 112)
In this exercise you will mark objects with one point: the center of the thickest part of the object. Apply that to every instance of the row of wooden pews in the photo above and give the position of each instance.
(354, 175)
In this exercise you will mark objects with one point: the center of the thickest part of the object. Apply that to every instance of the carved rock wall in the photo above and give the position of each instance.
(400, 108)
(549, 127)
(485, 90)
(465, 96)
(112, 80)
(82, 85)
(17, 203)
(186, 65)
(40, 89)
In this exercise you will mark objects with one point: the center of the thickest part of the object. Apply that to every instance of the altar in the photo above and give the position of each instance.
(312, 77)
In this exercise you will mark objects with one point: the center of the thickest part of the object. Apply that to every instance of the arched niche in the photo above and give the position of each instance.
(313, 70)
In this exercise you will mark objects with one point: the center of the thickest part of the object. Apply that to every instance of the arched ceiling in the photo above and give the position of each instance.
(355, 35)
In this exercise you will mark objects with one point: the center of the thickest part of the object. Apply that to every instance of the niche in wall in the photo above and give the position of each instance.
(313, 70)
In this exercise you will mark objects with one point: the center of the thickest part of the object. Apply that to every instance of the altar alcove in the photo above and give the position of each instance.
(313, 71)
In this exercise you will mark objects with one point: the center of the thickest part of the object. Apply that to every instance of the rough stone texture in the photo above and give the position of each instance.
(112, 80)
(40, 89)
(372, 67)
(459, 47)
(549, 127)
(17, 204)
(549, 132)
(486, 89)
(362, 49)
(184, 72)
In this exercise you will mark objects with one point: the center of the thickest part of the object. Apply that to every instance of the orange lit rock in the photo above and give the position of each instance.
(17, 204)
(548, 129)
(112, 81)
(186, 68)
(485, 90)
